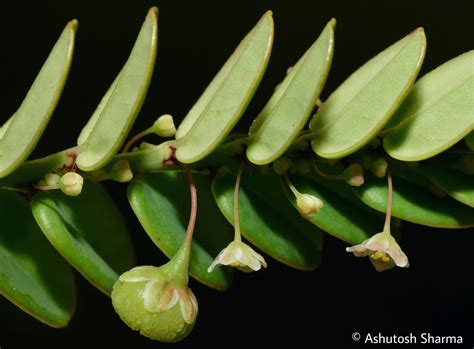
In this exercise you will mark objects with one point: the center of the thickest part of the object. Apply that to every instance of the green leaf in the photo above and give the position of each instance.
(470, 140)
(267, 219)
(223, 102)
(89, 231)
(342, 215)
(457, 184)
(5, 126)
(29, 121)
(161, 203)
(438, 113)
(359, 108)
(415, 203)
(33, 275)
(288, 110)
(86, 131)
(116, 113)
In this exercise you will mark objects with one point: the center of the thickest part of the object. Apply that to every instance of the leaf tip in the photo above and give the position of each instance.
(73, 24)
(153, 11)
(332, 23)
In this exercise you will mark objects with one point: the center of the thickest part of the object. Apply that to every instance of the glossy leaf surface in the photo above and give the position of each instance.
(416, 204)
(89, 231)
(267, 219)
(341, 216)
(161, 201)
(33, 275)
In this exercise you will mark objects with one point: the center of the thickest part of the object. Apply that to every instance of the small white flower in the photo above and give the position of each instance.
(383, 251)
(239, 254)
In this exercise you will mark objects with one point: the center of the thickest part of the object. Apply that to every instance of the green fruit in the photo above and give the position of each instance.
(166, 326)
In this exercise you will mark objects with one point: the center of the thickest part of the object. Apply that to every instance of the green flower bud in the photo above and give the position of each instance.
(282, 166)
(164, 126)
(151, 300)
(354, 175)
(146, 145)
(379, 167)
(308, 205)
(51, 179)
(121, 172)
(71, 183)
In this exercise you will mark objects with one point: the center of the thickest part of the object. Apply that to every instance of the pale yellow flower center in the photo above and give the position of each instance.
(380, 255)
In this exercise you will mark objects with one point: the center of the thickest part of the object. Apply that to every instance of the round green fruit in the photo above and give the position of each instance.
(166, 326)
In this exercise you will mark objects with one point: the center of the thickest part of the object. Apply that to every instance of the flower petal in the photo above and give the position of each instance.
(378, 242)
(141, 273)
(358, 250)
(188, 304)
(396, 253)
(231, 254)
(159, 296)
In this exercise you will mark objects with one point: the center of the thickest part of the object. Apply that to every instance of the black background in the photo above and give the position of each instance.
(277, 306)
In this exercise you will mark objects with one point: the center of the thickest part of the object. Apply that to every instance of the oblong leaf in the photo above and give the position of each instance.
(33, 275)
(455, 183)
(438, 113)
(359, 108)
(119, 108)
(161, 203)
(30, 120)
(267, 219)
(86, 131)
(288, 110)
(89, 231)
(341, 216)
(224, 101)
(415, 203)
(4, 127)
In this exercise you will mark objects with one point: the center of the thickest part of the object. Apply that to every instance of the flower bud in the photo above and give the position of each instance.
(51, 179)
(146, 145)
(121, 172)
(354, 175)
(308, 205)
(379, 167)
(71, 183)
(164, 126)
(282, 165)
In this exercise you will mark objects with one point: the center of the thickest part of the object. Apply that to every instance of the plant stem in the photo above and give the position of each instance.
(388, 215)
(293, 189)
(325, 175)
(135, 139)
(237, 236)
(34, 170)
(192, 216)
